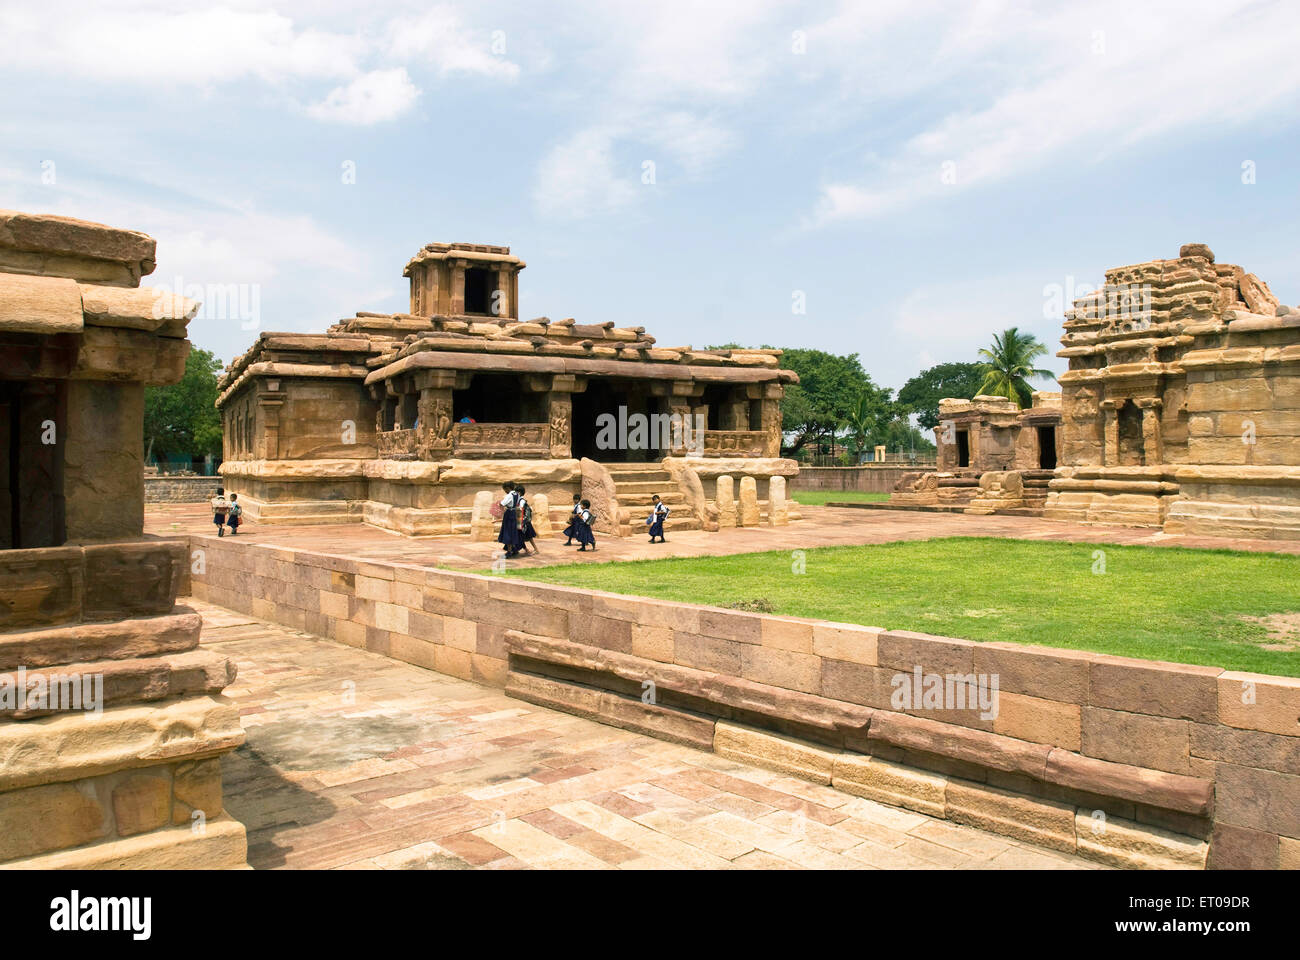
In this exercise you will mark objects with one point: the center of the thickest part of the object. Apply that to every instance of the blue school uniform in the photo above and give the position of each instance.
(583, 522)
(510, 535)
(526, 514)
(571, 530)
(657, 518)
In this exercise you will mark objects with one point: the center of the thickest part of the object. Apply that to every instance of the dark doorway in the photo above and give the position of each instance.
(1047, 448)
(497, 398)
(478, 290)
(963, 448)
(606, 397)
(32, 426)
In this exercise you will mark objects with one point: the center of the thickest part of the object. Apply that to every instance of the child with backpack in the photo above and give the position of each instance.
(658, 514)
(527, 534)
(235, 516)
(583, 522)
(571, 530)
(220, 507)
(510, 536)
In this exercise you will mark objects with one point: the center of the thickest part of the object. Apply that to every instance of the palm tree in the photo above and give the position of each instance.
(1008, 366)
(862, 420)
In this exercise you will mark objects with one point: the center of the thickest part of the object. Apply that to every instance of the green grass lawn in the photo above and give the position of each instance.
(816, 498)
(1158, 603)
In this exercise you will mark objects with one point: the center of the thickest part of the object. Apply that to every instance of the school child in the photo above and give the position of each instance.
(235, 516)
(220, 507)
(526, 534)
(658, 514)
(583, 523)
(571, 530)
(509, 537)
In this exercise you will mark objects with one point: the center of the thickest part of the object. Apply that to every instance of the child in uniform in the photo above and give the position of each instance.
(658, 514)
(527, 534)
(509, 537)
(571, 530)
(220, 507)
(583, 523)
(235, 516)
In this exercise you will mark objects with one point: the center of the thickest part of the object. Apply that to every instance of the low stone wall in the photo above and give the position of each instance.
(868, 478)
(1132, 762)
(180, 489)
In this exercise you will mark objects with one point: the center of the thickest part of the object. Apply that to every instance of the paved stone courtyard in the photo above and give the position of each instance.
(357, 761)
(821, 527)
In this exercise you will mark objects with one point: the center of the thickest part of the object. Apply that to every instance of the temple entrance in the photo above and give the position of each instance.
(1047, 448)
(632, 431)
(963, 448)
(32, 420)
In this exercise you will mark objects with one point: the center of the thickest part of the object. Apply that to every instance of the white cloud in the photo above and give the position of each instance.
(440, 40)
(145, 43)
(579, 178)
(371, 98)
(1087, 83)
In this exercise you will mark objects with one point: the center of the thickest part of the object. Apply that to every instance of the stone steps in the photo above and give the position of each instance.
(635, 484)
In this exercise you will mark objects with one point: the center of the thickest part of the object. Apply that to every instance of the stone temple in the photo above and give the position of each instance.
(1180, 410)
(408, 421)
(112, 722)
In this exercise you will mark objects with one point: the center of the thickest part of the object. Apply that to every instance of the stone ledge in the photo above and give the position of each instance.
(222, 846)
(76, 746)
(123, 640)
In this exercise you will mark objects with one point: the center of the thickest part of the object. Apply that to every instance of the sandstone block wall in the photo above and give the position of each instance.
(180, 489)
(1190, 762)
(866, 479)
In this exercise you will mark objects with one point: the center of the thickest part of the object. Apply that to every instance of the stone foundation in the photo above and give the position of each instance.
(1131, 762)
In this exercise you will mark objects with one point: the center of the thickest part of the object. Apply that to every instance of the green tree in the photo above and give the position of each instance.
(828, 393)
(1009, 366)
(921, 394)
(181, 419)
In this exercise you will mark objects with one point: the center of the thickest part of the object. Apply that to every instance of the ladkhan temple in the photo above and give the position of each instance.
(1180, 410)
(405, 421)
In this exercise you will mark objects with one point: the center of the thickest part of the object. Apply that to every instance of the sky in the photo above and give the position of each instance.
(899, 180)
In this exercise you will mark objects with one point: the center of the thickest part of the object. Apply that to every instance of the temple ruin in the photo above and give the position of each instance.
(405, 421)
(1180, 410)
(112, 722)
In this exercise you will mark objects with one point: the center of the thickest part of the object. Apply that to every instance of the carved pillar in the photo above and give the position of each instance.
(560, 416)
(1152, 448)
(1110, 432)
(433, 439)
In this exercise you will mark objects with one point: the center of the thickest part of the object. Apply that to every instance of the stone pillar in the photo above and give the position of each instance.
(482, 526)
(777, 512)
(504, 303)
(560, 416)
(1152, 448)
(270, 405)
(541, 514)
(879, 453)
(1110, 432)
(749, 515)
(682, 422)
(770, 413)
(457, 304)
(725, 499)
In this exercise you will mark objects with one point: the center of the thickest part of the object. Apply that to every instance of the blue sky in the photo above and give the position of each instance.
(924, 174)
